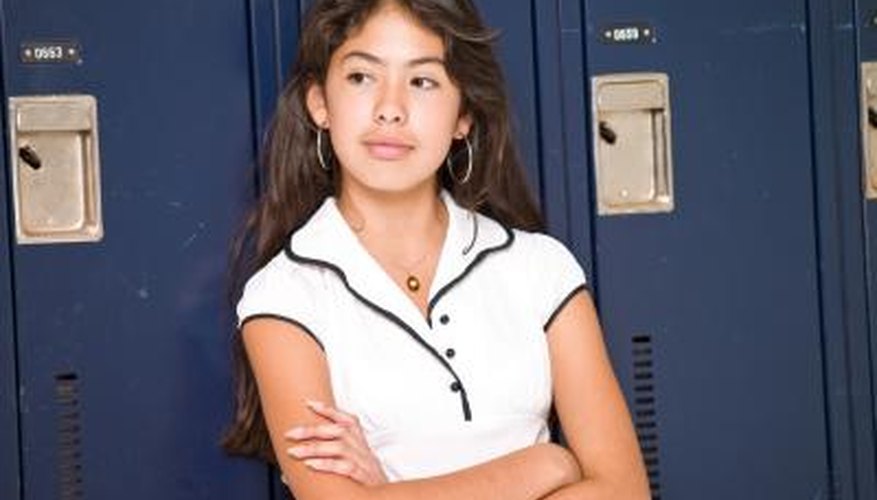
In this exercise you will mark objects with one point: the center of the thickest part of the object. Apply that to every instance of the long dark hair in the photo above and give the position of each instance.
(294, 185)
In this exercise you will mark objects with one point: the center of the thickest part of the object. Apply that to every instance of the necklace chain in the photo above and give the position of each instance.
(412, 280)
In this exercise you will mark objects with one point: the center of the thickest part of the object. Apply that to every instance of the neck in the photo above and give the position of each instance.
(404, 220)
(402, 231)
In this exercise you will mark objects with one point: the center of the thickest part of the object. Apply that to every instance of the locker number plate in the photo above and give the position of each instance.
(55, 52)
(628, 34)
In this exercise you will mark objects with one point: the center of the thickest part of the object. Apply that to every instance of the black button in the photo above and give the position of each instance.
(455, 387)
(444, 319)
(450, 353)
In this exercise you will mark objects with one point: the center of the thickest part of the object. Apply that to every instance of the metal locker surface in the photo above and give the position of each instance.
(123, 345)
(10, 476)
(713, 309)
(861, 209)
(843, 277)
(515, 23)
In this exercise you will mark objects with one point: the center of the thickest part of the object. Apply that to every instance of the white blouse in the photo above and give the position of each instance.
(468, 383)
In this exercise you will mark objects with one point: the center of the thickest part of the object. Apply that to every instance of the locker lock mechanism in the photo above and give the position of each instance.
(872, 116)
(55, 169)
(633, 166)
(30, 157)
(607, 134)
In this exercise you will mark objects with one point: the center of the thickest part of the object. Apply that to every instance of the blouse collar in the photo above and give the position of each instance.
(326, 240)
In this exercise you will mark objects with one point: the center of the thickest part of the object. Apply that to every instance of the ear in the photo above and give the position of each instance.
(316, 103)
(464, 124)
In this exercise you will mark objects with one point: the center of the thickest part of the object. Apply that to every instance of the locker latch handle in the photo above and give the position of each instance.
(54, 169)
(633, 168)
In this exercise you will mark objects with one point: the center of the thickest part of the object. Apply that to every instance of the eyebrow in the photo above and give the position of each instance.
(419, 61)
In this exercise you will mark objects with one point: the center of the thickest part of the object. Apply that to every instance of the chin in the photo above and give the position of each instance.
(397, 186)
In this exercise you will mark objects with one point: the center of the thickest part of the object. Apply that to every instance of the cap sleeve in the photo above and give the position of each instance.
(280, 291)
(559, 277)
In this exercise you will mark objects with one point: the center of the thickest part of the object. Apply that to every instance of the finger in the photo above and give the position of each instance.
(340, 417)
(331, 413)
(335, 466)
(319, 449)
(322, 431)
(356, 445)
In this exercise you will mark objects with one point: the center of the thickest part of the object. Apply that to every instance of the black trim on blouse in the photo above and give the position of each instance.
(284, 319)
(563, 303)
(464, 398)
(510, 238)
(467, 412)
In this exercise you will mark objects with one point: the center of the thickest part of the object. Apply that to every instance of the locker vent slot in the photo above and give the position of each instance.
(69, 440)
(644, 413)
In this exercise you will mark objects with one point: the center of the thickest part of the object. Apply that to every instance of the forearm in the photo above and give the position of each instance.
(530, 473)
(527, 474)
(590, 489)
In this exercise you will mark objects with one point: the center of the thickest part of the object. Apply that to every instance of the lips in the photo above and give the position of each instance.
(387, 149)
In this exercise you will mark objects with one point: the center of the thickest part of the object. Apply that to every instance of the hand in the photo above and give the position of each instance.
(338, 447)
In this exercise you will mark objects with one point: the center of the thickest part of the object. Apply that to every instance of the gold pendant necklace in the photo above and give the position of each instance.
(412, 283)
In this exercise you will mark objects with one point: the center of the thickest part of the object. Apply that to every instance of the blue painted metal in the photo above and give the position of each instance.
(835, 98)
(866, 36)
(727, 284)
(516, 52)
(264, 64)
(10, 464)
(550, 111)
(140, 317)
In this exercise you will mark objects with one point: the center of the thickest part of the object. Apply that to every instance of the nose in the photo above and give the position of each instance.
(391, 108)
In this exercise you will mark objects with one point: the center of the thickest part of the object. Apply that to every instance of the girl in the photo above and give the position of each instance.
(404, 331)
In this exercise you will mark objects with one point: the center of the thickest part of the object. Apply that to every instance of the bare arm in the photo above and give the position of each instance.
(592, 411)
(290, 369)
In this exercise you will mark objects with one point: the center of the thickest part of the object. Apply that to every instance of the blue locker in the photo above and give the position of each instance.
(712, 311)
(860, 209)
(835, 30)
(10, 475)
(123, 345)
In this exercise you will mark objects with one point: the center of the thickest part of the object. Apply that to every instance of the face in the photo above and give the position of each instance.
(389, 105)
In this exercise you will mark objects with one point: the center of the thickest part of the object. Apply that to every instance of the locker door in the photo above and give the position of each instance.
(865, 129)
(9, 462)
(123, 344)
(712, 309)
(835, 31)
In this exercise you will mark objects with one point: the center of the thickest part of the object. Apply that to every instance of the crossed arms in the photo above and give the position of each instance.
(331, 459)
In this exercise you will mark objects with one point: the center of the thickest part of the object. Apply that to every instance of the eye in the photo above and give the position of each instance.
(358, 78)
(424, 83)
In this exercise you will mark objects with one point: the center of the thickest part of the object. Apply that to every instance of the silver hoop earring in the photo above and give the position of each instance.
(468, 173)
(320, 158)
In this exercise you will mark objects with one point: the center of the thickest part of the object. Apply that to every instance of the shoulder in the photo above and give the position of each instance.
(281, 288)
(538, 244)
(279, 273)
(543, 251)
(548, 271)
